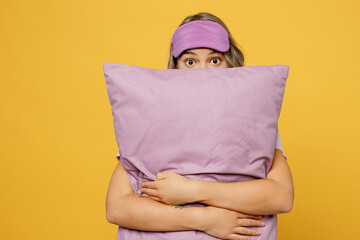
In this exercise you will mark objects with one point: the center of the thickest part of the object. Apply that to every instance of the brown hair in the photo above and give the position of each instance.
(234, 56)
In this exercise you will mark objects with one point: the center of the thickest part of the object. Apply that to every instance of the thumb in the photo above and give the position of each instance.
(161, 175)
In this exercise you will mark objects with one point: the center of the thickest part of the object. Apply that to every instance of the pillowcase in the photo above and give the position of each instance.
(213, 124)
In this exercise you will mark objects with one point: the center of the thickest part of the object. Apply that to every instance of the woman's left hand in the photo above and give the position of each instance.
(170, 188)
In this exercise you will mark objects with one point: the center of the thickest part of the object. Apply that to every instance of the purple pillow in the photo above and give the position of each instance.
(212, 124)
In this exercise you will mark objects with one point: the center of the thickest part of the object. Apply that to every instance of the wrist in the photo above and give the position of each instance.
(196, 193)
(196, 220)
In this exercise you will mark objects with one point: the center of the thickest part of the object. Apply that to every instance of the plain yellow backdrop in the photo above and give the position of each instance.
(58, 145)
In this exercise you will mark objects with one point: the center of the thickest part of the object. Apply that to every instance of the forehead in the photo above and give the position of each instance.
(200, 51)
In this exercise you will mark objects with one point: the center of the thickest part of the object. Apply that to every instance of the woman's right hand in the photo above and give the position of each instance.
(227, 224)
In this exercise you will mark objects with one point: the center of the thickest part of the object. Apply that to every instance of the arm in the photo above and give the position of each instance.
(130, 210)
(272, 195)
(259, 197)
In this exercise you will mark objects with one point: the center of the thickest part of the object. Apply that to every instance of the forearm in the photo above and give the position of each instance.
(143, 213)
(257, 197)
(272, 195)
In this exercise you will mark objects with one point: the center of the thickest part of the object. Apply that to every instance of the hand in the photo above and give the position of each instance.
(169, 188)
(232, 225)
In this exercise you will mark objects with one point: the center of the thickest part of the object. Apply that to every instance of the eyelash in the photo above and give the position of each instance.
(219, 58)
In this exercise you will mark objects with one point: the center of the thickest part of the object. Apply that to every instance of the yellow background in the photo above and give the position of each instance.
(58, 144)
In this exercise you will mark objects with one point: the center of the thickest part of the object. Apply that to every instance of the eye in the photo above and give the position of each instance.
(189, 62)
(217, 60)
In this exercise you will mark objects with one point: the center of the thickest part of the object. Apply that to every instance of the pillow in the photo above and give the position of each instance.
(212, 124)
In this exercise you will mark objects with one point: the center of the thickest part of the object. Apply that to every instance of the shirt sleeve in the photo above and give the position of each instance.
(278, 144)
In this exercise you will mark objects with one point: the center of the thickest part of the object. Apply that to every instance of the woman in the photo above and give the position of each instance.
(239, 204)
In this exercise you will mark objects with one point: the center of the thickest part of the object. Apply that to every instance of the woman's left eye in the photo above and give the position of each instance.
(217, 60)
(189, 62)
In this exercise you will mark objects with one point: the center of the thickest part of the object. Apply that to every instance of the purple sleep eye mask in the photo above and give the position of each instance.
(200, 33)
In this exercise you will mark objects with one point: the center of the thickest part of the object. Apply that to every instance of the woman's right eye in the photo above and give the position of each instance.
(189, 62)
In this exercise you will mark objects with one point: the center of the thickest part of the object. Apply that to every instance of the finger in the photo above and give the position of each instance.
(244, 215)
(145, 195)
(246, 231)
(161, 175)
(154, 198)
(150, 192)
(151, 184)
(250, 223)
(234, 236)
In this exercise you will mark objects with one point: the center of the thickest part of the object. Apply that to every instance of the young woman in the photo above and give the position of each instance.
(202, 41)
